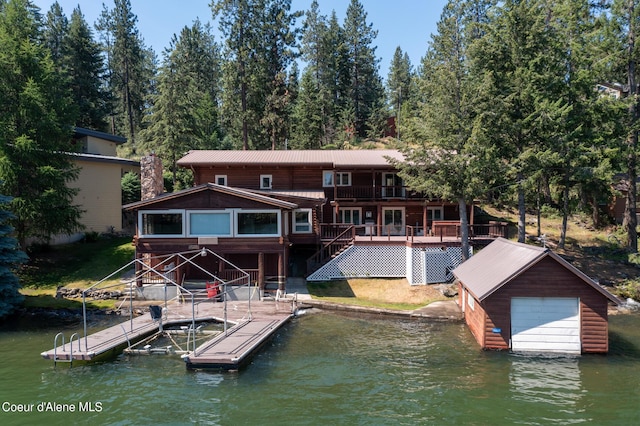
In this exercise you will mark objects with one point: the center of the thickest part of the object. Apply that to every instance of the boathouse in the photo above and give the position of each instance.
(526, 298)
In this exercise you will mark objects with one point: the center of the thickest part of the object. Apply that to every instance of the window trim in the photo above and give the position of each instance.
(325, 174)
(223, 177)
(432, 209)
(339, 180)
(229, 212)
(340, 215)
(262, 178)
(296, 223)
(278, 233)
(336, 178)
(141, 213)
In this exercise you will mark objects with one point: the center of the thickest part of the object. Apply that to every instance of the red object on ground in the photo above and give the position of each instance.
(213, 290)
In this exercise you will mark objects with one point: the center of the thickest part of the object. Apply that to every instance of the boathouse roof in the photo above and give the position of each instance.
(503, 260)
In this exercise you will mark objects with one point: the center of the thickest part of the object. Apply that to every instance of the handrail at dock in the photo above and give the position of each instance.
(162, 266)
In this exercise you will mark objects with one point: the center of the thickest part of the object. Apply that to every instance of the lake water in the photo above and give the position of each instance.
(326, 369)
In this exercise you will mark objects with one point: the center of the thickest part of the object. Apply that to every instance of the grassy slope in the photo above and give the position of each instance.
(78, 265)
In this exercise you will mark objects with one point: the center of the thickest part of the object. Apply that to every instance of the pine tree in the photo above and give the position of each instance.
(280, 43)
(260, 43)
(365, 91)
(399, 83)
(10, 257)
(83, 63)
(450, 160)
(36, 119)
(625, 29)
(308, 114)
(56, 30)
(184, 114)
(131, 67)
(511, 56)
(568, 110)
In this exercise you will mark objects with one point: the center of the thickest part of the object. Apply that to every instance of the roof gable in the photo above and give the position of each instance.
(503, 260)
(235, 192)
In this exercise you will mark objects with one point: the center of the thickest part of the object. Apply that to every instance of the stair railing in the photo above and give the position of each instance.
(330, 248)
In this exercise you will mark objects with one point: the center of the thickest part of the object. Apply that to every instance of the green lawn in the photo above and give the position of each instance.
(77, 265)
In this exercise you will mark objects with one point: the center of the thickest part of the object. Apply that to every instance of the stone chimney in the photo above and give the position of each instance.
(151, 182)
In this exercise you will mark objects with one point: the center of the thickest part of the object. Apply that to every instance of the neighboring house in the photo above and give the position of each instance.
(619, 203)
(99, 182)
(283, 213)
(528, 299)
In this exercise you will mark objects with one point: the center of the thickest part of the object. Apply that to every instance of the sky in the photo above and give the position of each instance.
(405, 23)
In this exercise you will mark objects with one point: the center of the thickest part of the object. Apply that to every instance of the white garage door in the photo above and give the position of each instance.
(545, 324)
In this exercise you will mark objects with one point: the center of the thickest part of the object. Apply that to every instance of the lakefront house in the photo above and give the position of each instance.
(321, 214)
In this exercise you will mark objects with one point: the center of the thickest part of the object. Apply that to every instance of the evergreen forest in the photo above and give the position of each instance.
(520, 103)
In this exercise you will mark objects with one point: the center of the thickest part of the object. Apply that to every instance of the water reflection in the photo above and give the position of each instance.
(546, 389)
(327, 369)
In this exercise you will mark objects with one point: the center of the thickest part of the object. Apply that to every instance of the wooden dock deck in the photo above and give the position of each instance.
(231, 350)
(246, 332)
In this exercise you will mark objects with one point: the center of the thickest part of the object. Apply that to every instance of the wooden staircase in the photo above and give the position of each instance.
(331, 249)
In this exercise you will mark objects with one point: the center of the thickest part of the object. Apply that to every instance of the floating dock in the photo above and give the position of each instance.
(248, 328)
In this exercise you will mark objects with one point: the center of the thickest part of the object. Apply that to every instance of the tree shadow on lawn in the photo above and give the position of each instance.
(338, 288)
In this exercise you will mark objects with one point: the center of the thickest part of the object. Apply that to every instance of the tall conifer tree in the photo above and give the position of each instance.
(131, 67)
(365, 92)
(36, 119)
(450, 159)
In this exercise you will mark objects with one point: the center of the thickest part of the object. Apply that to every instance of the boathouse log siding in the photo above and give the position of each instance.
(531, 272)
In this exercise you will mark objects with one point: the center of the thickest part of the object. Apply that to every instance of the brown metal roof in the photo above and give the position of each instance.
(324, 158)
(212, 186)
(309, 194)
(503, 260)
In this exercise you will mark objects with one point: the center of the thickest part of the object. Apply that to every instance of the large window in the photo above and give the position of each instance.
(211, 223)
(217, 223)
(258, 223)
(158, 224)
(302, 221)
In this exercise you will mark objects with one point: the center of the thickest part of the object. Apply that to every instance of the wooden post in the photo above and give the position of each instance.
(425, 220)
(261, 270)
(138, 268)
(281, 273)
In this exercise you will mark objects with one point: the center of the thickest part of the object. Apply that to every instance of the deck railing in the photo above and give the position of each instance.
(369, 192)
(231, 276)
(441, 228)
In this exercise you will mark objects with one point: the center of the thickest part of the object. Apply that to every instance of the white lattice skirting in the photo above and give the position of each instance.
(419, 266)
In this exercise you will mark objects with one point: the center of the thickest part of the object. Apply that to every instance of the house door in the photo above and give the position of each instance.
(392, 186)
(393, 221)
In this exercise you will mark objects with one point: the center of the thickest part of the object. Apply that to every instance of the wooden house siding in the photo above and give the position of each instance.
(209, 200)
(283, 178)
(474, 317)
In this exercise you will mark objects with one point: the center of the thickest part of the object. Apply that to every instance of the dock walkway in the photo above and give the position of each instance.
(249, 329)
